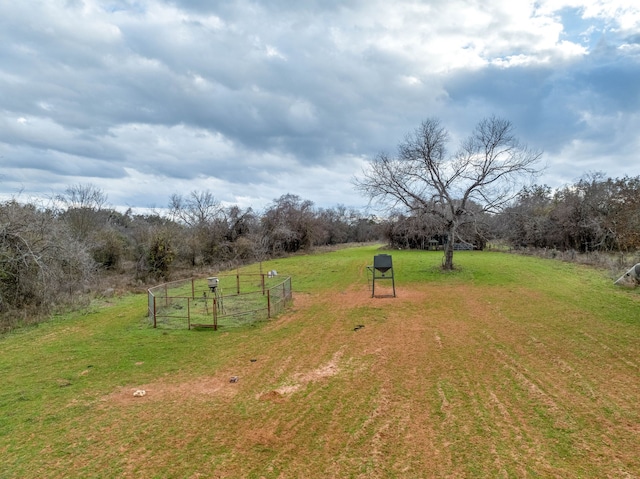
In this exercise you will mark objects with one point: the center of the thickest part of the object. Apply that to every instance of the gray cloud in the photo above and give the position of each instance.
(255, 99)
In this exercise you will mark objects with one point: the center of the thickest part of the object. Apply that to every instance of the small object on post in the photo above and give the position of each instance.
(213, 283)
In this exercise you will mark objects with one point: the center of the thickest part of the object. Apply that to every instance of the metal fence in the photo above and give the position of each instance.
(238, 300)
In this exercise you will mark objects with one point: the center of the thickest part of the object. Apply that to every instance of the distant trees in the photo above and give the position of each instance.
(81, 206)
(528, 221)
(201, 218)
(84, 209)
(211, 233)
(50, 253)
(426, 181)
(198, 209)
(160, 255)
(595, 214)
(342, 225)
(244, 235)
(152, 240)
(414, 231)
(289, 225)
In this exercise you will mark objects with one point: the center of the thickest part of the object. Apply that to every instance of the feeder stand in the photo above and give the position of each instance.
(213, 283)
(382, 269)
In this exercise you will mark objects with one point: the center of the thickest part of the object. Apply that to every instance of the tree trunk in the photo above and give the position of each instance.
(448, 249)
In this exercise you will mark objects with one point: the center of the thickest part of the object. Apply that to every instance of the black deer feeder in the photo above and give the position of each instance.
(382, 269)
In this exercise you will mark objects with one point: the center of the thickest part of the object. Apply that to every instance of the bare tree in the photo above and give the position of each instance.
(200, 208)
(41, 264)
(84, 196)
(423, 177)
(203, 219)
(82, 204)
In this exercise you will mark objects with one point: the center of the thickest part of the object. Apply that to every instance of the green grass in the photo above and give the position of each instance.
(509, 366)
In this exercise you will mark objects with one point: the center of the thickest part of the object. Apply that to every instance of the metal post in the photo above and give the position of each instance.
(268, 304)
(215, 314)
(154, 311)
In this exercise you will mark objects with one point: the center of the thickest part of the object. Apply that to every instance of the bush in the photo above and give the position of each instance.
(41, 264)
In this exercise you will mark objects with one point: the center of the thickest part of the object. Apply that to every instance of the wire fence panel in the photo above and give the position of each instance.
(235, 300)
(172, 312)
(279, 297)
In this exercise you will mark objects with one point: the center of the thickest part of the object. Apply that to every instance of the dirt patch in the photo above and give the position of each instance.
(166, 390)
(274, 396)
(300, 380)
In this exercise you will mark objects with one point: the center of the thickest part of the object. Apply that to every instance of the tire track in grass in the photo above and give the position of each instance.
(571, 398)
(507, 437)
(544, 428)
(396, 421)
(525, 378)
(614, 354)
(517, 442)
(467, 428)
(582, 386)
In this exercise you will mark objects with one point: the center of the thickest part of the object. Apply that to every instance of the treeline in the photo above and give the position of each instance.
(61, 253)
(594, 214)
(57, 254)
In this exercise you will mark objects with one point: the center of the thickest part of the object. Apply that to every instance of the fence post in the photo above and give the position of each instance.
(154, 311)
(268, 304)
(215, 315)
(238, 282)
(262, 278)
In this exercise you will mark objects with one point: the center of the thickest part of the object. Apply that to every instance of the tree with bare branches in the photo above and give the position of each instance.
(204, 223)
(199, 208)
(82, 206)
(42, 265)
(423, 177)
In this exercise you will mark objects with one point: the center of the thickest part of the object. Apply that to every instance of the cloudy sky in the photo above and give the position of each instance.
(254, 99)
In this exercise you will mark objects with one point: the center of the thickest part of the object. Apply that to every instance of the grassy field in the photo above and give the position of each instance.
(509, 367)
